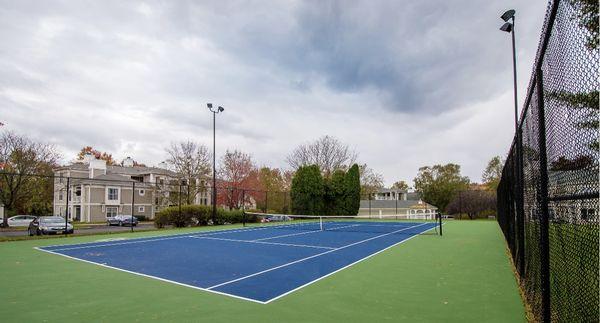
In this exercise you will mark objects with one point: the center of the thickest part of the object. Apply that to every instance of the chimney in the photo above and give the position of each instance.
(128, 162)
(88, 157)
(97, 167)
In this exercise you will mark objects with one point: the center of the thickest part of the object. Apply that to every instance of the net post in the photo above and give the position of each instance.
(440, 222)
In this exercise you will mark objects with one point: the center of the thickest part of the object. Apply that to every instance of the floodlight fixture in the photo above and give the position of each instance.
(508, 15)
(507, 27)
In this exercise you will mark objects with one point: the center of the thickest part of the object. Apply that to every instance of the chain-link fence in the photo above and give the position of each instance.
(548, 196)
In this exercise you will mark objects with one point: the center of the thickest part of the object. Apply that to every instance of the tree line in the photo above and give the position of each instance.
(337, 189)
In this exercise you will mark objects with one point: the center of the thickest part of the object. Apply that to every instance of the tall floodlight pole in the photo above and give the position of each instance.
(509, 27)
(214, 186)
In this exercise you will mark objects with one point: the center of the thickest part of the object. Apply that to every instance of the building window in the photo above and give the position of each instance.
(60, 195)
(112, 194)
(112, 211)
(587, 214)
(141, 209)
(142, 192)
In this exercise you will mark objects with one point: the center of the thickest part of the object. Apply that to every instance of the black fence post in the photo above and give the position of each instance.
(543, 201)
(243, 207)
(266, 201)
(180, 199)
(132, 204)
(520, 212)
(67, 205)
(460, 205)
(369, 205)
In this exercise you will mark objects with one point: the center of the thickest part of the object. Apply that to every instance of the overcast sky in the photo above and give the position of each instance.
(404, 83)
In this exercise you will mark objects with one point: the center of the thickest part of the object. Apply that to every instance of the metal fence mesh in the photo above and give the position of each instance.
(555, 244)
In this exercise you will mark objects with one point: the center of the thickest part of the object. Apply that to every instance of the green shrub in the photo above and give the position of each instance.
(197, 215)
(160, 220)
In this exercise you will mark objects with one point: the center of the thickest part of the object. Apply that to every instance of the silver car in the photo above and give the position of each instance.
(49, 225)
(20, 220)
(122, 220)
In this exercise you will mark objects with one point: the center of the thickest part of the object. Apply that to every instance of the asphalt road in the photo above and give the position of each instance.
(91, 229)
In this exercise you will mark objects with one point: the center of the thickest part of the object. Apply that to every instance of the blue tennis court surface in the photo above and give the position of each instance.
(258, 264)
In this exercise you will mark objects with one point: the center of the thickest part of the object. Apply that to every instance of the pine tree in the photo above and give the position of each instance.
(308, 190)
(351, 199)
(335, 193)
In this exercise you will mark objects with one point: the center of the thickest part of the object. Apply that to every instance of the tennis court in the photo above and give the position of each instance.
(259, 264)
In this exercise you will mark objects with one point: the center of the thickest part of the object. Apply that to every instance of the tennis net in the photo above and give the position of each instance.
(345, 223)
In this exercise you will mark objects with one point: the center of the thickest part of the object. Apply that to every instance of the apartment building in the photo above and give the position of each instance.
(96, 190)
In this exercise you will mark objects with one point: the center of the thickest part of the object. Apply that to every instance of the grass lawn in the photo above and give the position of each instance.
(464, 276)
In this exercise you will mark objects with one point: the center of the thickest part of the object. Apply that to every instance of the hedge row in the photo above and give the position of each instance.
(197, 215)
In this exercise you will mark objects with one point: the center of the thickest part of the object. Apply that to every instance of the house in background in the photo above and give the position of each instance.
(97, 191)
(401, 203)
(386, 194)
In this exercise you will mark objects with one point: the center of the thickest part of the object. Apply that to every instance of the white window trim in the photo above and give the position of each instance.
(141, 209)
(112, 207)
(142, 192)
(112, 202)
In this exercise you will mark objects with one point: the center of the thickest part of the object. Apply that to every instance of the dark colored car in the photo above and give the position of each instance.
(122, 220)
(49, 225)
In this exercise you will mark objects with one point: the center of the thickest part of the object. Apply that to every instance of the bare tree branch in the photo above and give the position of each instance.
(326, 152)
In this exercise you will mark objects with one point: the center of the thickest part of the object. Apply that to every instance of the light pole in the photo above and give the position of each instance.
(214, 186)
(509, 27)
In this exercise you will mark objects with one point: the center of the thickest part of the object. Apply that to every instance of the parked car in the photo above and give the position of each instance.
(122, 220)
(20, 220)
(276, 218)
(49, 225)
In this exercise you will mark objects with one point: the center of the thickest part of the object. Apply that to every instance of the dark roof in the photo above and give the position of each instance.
(138, 170)
(117, 169)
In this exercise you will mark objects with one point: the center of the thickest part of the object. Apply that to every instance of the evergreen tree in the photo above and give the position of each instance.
(335, 193)
(351, 199)
(308, 190)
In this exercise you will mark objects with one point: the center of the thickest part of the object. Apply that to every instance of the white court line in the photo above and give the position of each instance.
(307, 232)
(153, 277)
(262, 242)
(310, 257)
(354, 263)
(223, 293)
(156, 238)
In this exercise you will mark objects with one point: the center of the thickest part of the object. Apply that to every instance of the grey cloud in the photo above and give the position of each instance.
(136, 75)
